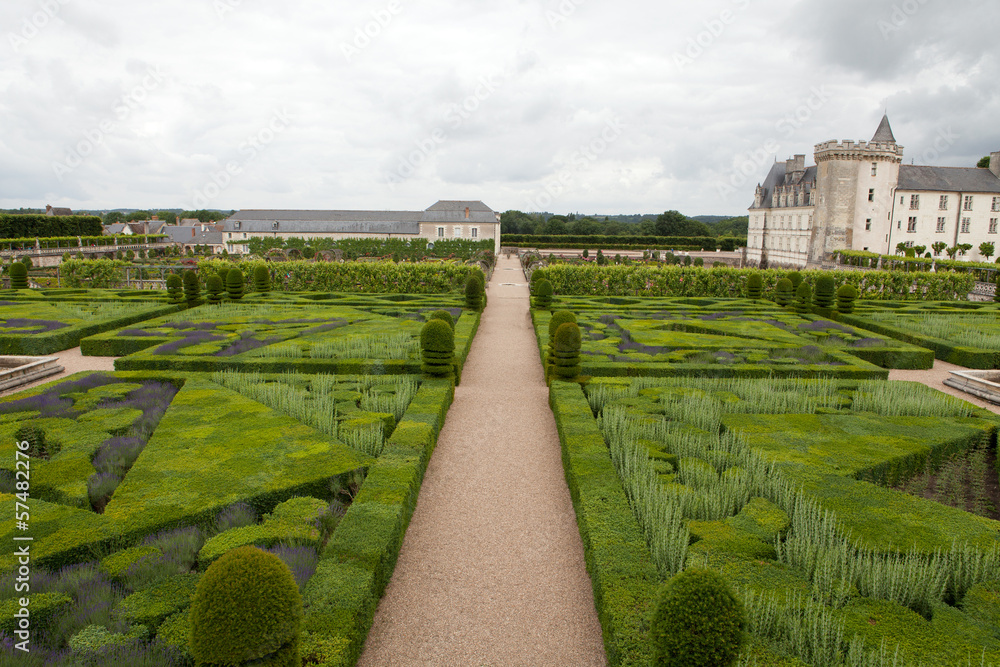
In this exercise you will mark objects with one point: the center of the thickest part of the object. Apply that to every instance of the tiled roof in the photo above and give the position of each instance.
(947, 179)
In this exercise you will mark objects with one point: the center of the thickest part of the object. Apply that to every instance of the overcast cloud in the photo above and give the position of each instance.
(558, 105)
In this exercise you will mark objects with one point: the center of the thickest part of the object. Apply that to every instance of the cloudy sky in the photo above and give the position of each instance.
(559, 105)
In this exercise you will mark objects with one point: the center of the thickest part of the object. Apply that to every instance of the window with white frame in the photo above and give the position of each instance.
(457, 232)
(993, 226)
(914, 202)
(911, 225)
(874, 168)
(967, 205)
(943, 203)
(440, 232)
(966, 223)
(871, 194)
(940, 225)
(474, 232)
(868, 225)
(996, 204)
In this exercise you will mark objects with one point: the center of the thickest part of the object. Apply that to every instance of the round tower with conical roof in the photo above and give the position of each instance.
(855, 182)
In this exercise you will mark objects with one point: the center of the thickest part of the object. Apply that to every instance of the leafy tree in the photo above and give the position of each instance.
(919, 249)
(938, 247)
(964, 248)
(900, 248)
(205, 216)
(952, 251)
(113, 218)
(139, 216)
(984, 162)
(167, 216)
(986, 249)
(674, 223)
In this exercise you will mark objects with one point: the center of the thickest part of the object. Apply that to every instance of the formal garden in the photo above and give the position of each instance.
(267, 427)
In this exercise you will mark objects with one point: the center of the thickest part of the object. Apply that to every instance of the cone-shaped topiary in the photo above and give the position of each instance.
(803, 299)
(559, 318)
(223, 274)
(437, 348)
(543, 294)
(246, 607)
(444, 316)
(473, 293)
(18, 276)
(215, 289)
(566, 351)
(697, 622)
(261, 279)
(175, 289)
(536, 275)
(235, 283)
(796, 279)
(846, 296)
(824, 296)
(192, 287)
(755, 286)
(783, 294)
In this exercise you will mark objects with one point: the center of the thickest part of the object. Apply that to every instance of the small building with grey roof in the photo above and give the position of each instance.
(458, 219)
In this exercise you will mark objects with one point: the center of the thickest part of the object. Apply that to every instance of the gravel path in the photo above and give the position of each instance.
(936, 376)
(73, 362)
(491, 571)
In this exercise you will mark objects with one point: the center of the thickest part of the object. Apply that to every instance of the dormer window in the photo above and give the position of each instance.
(236, 225)
(274, 225)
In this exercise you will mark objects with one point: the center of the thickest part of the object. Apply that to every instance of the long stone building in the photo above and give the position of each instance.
(471, 220)
(859, 196)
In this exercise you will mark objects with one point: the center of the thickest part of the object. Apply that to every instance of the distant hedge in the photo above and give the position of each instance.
(73, 242)
(706, 242)
(20, 226)
(692, 281)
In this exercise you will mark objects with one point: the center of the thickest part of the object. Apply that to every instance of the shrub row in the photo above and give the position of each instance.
(14, 226)
(944, 350)
(341, 597)
(73, 242)
(984, 271)
(728, 282)
(463, 249)
(621, 569)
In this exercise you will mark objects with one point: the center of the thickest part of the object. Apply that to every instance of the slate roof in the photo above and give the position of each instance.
(357, 222)
(776, 177)
(111, 230)
(884, 132)
(947, 179)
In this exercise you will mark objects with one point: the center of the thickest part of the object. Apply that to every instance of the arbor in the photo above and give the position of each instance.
(986, 249)
(938, 247)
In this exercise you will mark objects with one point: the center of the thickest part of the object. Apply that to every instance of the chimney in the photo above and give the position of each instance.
(995, 163)
(466, 212)
(156, 217)
(796, 164)
(48, 209)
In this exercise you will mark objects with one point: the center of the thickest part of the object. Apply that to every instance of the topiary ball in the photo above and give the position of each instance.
(215, 289)
(558, 318)
(444, 316)
(246, 606)
(18, 276)
(825, 292)
(235, 283)
(796, 279)
(473, 292)
(175, 289)
(543, 294)
(192, 287)
(697, 622)
(261, 279)
(565, 355)
(755, 286)
(846, 296)
(437, 348)
(783, 293)
(803, 298)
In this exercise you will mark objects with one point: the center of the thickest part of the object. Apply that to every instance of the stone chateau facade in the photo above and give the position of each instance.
(860, 196)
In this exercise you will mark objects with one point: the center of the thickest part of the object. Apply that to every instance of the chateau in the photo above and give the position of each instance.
(471, 220)
(859, 196)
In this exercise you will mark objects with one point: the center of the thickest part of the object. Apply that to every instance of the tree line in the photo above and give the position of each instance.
(669, 223)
